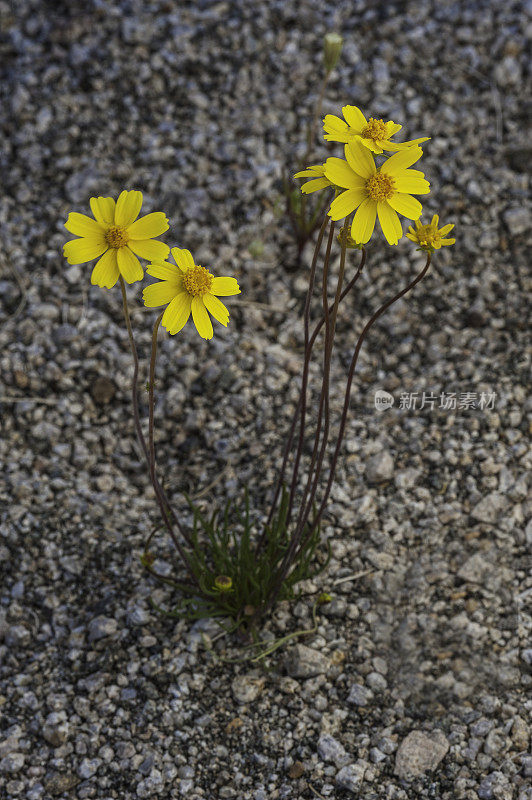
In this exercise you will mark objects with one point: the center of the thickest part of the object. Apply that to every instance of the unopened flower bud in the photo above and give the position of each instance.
(332, 48)
(223, 583)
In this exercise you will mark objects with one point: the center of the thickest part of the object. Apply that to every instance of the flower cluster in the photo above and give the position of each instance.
(372, 192)
(117, 237)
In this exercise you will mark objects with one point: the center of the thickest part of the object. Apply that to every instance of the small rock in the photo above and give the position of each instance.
(102, 390)
(359, 695)
(496, 743)
(380, 467)
(490, 508)
(55, 729)
(13, 762)
(89, 767)
(329, 749)
(419, 753)
(495, 786)
(59, 784)
(18, 636)
(518, 220)
(303, 662)
(99, 627)
(296, 770)
(247, 688)
(376, 682)
(352, 776)
(520, 734)
(475, 569)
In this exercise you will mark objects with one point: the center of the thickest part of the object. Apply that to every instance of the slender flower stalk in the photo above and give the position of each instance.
(165, 510)
(310, 528)
(158, 489)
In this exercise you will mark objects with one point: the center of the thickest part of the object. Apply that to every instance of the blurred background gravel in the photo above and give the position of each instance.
(417, 683)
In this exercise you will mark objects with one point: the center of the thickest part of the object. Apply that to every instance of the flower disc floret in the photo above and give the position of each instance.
(375, 129)
(116, 237)
(380, 187)
(198, 281)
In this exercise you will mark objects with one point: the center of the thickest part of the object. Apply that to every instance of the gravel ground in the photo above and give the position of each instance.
(417, 682)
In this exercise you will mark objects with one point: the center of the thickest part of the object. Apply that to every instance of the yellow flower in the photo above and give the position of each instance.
(375, 134)
(188, 288)
(116, 235)
(318, 173)
(429, 237)
(384, 191)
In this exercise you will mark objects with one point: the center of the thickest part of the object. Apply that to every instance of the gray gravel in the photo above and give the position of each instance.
(417, 681)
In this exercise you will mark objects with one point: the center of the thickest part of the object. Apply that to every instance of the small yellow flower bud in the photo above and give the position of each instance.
(323, 598)
(332, 48)
(223, 583)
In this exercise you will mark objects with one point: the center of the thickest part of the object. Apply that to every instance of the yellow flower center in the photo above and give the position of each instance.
(375, 129)
(380, 186)
(116, 237)
(198, 280)
(428, 235)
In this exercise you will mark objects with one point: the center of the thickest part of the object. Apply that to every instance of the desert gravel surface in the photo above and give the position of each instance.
(417, 682)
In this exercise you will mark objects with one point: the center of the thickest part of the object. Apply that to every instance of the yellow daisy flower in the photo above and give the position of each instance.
(375, 134)
(318, 173)
(188, 288)
(383, 192)
(117, 236)
(430, 237)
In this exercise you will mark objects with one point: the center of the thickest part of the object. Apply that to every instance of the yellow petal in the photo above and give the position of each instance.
(127, 208)
(159, 294)
(164, 270)
(404, 145)
(216, 308)
(176, 315)
(408, 180)
(364, 221)
(103, 209)
(334, 125)
(183, 258)
(448, 241)
(315, 185)
(340, 173)
(390, 224)
(392, 128)
(402, 160)
(150, 249)
(354, 118)
(224, 287)
(82, 225)
(434, 221)
(315, 171)
(78, 251)
(346, 202)
(406, 205)
(360, 159)
(375, 147)
(129, 265)
(105, 273)
(446, 228)
(202, 321)
(149, 226)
